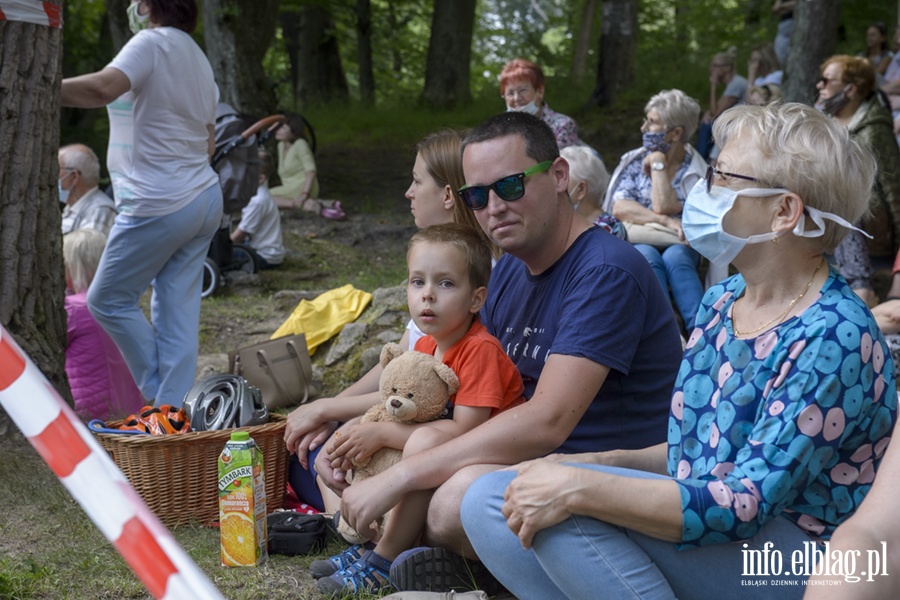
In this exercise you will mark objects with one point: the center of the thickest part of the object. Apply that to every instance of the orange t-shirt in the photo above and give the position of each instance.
(487, 377)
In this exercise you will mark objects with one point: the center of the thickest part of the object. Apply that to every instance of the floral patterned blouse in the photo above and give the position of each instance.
(792, 422)
(564, 128)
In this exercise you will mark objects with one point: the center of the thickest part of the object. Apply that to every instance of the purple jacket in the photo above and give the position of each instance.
(98, 376)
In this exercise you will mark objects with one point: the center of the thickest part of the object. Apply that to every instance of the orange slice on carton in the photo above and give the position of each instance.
(238, 540)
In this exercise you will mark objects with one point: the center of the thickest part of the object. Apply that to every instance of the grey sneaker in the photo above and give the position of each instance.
(439, 570)
(451, 595)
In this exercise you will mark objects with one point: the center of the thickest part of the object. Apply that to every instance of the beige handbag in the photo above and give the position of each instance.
(280, 368)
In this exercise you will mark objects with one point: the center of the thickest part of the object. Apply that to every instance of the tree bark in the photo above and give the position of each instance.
(364, 51)
(618, 42)
(32, 284)
(448, 64)
(118, 24)
(583, 39)
(236, 51)
(320, 75)
(812, 41)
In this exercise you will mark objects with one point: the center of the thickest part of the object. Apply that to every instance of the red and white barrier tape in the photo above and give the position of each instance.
(95, 481)
(31, 11)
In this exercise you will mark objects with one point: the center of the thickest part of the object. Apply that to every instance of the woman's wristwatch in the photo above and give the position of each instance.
(658, 166)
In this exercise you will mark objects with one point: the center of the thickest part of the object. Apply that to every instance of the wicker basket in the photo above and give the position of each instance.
(177, 475)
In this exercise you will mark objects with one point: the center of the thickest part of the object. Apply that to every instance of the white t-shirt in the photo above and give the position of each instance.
(157, 157)
(261, 220)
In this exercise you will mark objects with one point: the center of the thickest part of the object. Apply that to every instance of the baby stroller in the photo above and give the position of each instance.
(236, 160)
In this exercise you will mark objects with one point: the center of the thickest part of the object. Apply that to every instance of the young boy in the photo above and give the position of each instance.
(449, 267)
(260, 224)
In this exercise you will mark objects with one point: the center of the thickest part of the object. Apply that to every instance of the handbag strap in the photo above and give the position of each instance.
(264, 361)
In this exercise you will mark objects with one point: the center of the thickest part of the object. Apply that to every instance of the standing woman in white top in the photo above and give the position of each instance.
(161, 96)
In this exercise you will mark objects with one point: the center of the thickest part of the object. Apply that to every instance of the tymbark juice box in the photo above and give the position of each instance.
(242, 502)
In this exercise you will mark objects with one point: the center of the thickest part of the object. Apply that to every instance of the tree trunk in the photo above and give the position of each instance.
(32, 285)
(618, 41)
(236, 51)
(321, 76)
(448, 66)
(812, 41)
(583, 40)
(364, 51)
(118, 24)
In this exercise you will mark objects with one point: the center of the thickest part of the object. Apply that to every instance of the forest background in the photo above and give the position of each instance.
(372, 76)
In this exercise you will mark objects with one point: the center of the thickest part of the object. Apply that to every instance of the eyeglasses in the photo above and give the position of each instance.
(712, 172)
(522, 93)
(825, 81)
(509, 188)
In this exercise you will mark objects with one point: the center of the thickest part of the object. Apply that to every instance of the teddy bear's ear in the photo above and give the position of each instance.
(447, 376)
(390, 352)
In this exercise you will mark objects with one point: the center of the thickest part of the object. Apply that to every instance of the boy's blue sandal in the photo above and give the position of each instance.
(324, 568)
(369, 574)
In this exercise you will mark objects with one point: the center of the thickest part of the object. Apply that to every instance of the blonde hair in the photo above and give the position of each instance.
(466, 241)
(82, 250)
(441, 152)
(728, 57)
(801, 150)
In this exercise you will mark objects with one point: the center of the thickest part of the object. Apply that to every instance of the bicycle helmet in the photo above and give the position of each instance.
(224, 401)
(157, 420)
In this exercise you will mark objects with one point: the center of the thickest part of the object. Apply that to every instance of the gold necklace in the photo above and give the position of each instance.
(780, 317)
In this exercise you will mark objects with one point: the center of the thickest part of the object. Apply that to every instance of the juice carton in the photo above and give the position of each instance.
(242, 502)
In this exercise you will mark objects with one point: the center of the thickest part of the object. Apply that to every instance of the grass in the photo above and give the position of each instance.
(49, 549)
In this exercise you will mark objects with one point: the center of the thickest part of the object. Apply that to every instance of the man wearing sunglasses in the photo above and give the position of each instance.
(579, 312)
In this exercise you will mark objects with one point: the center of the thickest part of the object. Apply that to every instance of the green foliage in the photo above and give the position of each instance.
(20, 581)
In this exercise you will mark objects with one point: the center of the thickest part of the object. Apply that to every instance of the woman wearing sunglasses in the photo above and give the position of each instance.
(847, 92)
(647, 192)
(780, 414)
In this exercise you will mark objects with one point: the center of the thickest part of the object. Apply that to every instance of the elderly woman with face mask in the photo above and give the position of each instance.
(522, 88)
(647, 192)
(781, 411)
(847, 92)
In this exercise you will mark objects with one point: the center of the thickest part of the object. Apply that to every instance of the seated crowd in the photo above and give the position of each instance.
(637, 419)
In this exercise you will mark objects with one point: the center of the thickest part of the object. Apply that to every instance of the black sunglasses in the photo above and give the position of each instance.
(509, 188)
(712, 172)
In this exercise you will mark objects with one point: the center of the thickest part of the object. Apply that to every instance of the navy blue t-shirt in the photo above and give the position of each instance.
(599, 301)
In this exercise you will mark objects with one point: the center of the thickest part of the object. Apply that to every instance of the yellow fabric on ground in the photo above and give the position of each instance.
(325, 315)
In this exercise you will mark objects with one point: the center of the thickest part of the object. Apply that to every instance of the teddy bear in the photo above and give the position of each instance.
(415, 388)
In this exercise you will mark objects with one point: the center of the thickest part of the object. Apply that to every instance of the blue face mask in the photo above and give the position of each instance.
(63, 194)
(704, 212)
(653, 141)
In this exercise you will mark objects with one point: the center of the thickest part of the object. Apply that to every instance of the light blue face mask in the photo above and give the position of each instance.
(704, 212)
(531, 108)
(63, 194)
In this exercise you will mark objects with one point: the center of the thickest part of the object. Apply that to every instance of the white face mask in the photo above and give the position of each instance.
(531, 108)
(704, 212)
(136, 21)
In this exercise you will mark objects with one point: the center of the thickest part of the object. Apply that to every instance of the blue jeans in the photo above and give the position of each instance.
(167, 251)
(705, 141)
(582, 557)
(676, 270)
